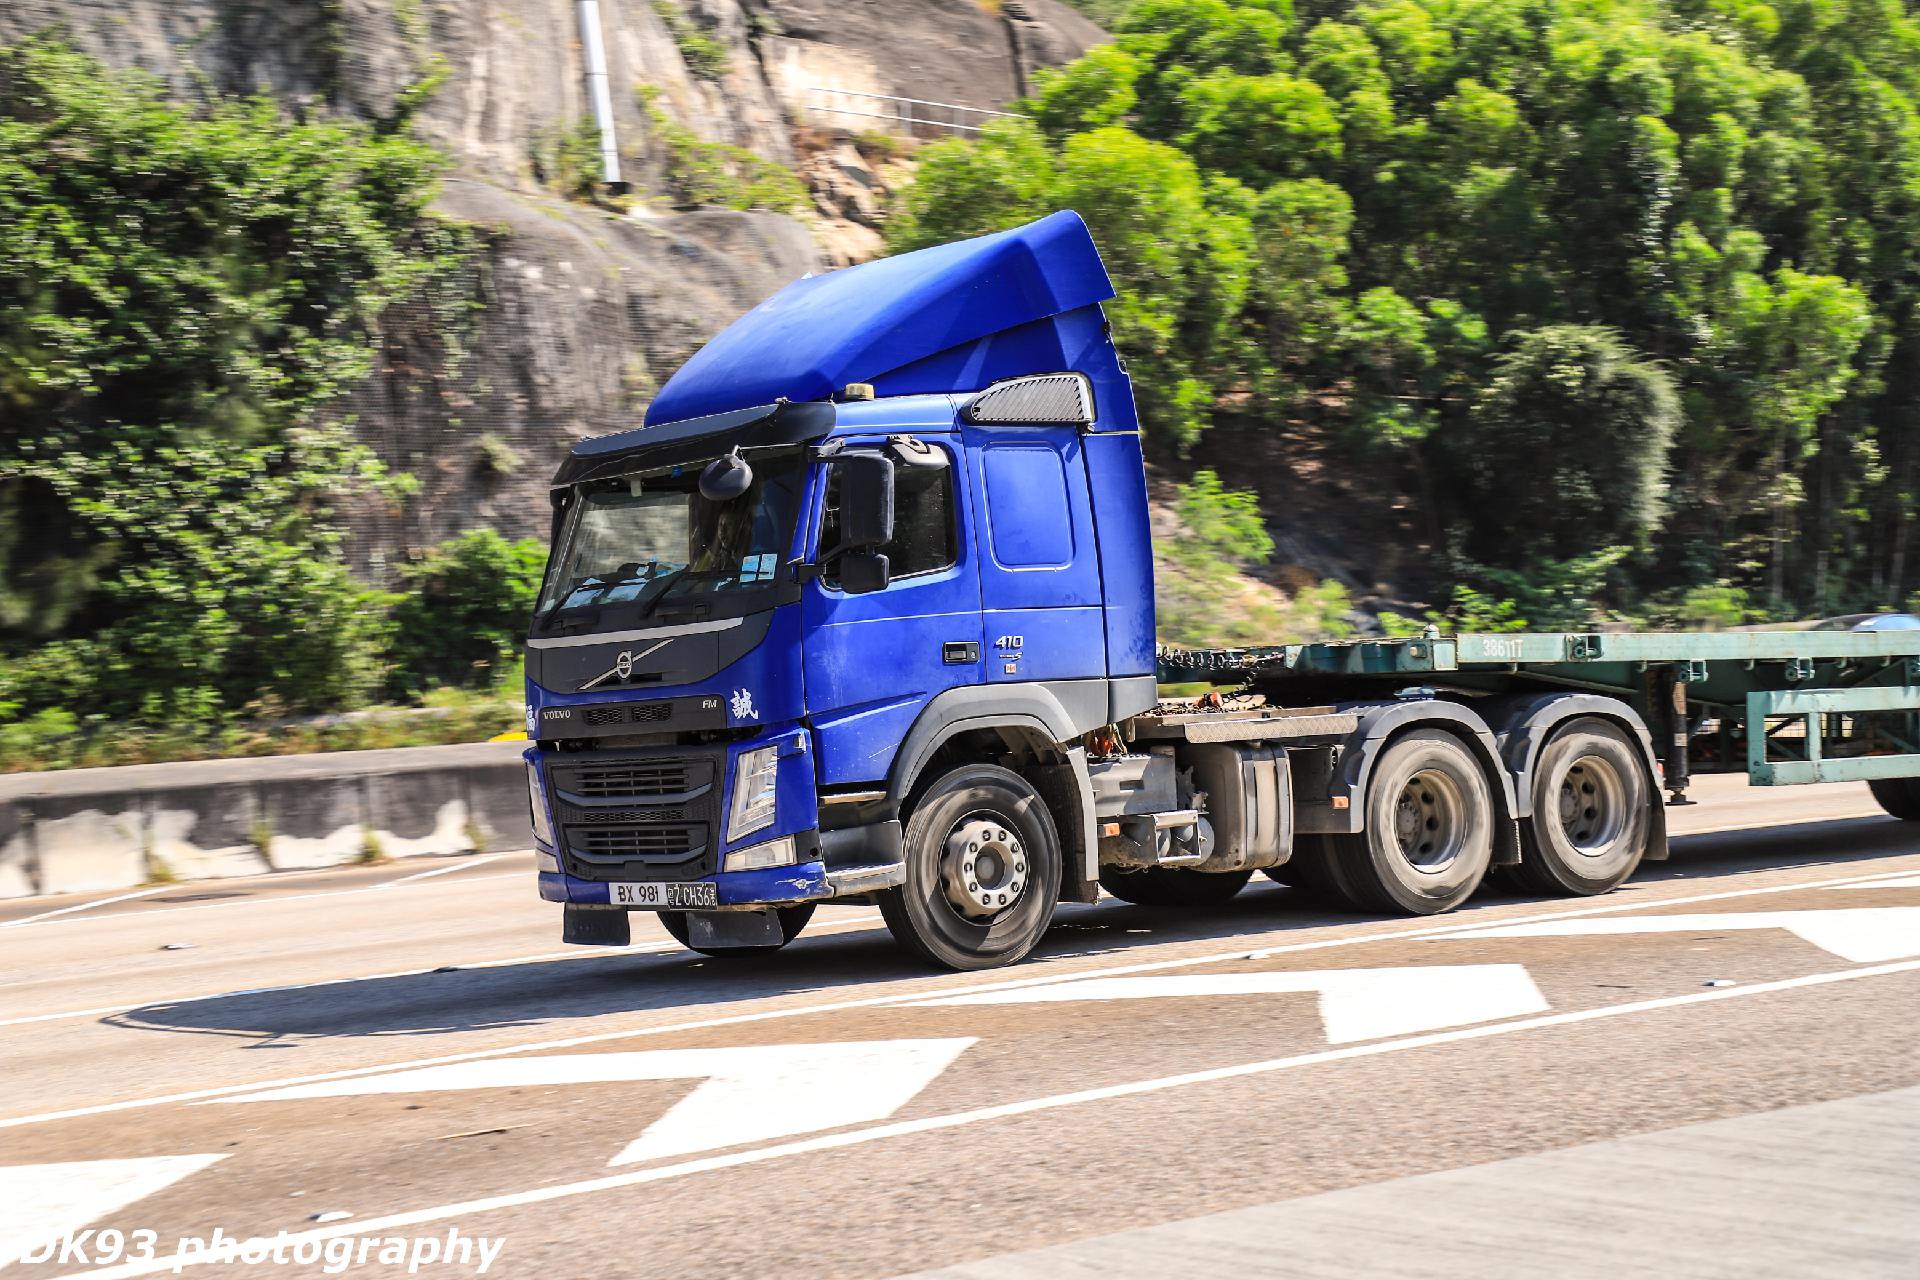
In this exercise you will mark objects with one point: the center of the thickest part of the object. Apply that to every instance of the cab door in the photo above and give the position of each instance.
(1039, 563)
(873, 661)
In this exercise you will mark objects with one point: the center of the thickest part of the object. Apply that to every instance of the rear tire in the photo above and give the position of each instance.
(1174, 886)
(1429, 834)
(1898, 796)
(983, 871)
(792, 921)
(1591, 811)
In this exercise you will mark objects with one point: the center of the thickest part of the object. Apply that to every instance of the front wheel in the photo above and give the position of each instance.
(792, 920)
(983, 864)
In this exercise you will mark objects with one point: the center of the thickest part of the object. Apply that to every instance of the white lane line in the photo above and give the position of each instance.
(47, 1202)
(1861, 934)
(85, 906)
(957, 1119)
(1355, 1004)
(862, 920)
(869, 1002)
(1892, 882)
(462, 865)
(251, 900)
(747, 1093)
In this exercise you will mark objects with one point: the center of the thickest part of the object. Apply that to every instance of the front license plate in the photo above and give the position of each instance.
(673, 895)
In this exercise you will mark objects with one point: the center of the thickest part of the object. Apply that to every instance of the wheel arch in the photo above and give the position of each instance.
(985, 722)
(1522, 725)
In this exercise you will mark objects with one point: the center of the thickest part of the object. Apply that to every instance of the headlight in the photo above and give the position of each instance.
(754, 775)
(774, 853)
(537, 805)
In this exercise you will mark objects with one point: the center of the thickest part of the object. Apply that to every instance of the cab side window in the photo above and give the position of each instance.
(924, 535)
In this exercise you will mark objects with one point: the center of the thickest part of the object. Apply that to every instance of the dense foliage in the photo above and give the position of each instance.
(1625, 290)
(182, 289)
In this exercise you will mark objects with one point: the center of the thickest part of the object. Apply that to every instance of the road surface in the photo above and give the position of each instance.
(1711, 1071)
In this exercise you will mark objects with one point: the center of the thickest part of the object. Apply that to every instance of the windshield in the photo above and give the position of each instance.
(645, 543)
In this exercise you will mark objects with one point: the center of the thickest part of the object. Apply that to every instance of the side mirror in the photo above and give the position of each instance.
(862, 572)
(866, 500)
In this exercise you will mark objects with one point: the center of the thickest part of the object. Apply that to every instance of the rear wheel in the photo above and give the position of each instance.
(1429, 834)
(792, 921)
(1591, 810)
(1898, 796)
(1174, 886)
(983, 871)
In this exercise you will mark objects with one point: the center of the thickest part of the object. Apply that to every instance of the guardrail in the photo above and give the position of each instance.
(906, 113)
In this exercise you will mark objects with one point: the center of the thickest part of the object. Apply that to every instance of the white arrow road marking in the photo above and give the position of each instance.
(1861, 934)
(1355, 1004)
(42, 1202)
(749, 1094)
(1891, 882)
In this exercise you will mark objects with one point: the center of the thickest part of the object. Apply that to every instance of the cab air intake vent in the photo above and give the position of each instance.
(1044, 398)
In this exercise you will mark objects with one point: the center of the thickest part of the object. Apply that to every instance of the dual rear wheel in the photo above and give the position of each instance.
(1431, 841)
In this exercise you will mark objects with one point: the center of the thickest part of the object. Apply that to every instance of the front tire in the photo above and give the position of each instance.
(1591, 811)
(983, 865)
(792, 920)
(1429, 834)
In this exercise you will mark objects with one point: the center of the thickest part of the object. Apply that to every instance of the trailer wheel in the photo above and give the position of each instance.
(1591, 805)
(1174, 886)
(1898, 796)
(983, 871)
(792, 920)
(1429, 834)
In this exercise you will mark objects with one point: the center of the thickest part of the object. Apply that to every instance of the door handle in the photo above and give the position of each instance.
(957, 651)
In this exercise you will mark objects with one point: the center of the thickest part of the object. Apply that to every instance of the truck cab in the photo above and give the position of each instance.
(878, 562)
(864, 610)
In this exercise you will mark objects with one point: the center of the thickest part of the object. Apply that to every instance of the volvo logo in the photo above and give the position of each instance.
(622, 669)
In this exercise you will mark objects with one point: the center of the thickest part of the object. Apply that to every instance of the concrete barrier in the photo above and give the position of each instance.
(91, 829)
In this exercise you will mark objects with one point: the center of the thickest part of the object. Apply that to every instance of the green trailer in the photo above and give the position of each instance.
(1393, 774)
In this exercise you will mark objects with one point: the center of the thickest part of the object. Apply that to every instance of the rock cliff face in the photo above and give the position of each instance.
(586, 311)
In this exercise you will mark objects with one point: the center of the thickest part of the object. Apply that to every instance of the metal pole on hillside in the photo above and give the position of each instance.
(598, 93)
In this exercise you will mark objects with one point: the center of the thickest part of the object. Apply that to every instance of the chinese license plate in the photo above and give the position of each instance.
(673, 895)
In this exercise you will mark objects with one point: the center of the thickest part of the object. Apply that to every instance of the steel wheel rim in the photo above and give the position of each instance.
(983, 867)
(1429, 821)
(1591, 807)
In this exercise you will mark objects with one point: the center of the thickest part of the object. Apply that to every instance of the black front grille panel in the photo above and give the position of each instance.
(675, 841)
(626, 817)
(629, 713)
(625, 781)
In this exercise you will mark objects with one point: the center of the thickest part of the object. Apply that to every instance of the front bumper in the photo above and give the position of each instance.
(768, 887)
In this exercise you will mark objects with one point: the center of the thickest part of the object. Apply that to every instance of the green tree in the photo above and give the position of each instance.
(464, 614)
(184, 288)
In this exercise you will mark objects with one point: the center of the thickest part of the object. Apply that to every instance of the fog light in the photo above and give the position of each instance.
(537, 806)
(774, 853)
(754, 774)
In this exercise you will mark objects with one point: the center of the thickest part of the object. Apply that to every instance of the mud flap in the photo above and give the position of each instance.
(593, 926)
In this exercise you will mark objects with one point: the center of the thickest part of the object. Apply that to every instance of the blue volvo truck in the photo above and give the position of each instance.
(864, 610)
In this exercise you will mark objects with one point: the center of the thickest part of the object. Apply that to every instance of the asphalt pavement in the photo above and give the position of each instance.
(374, 1069)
